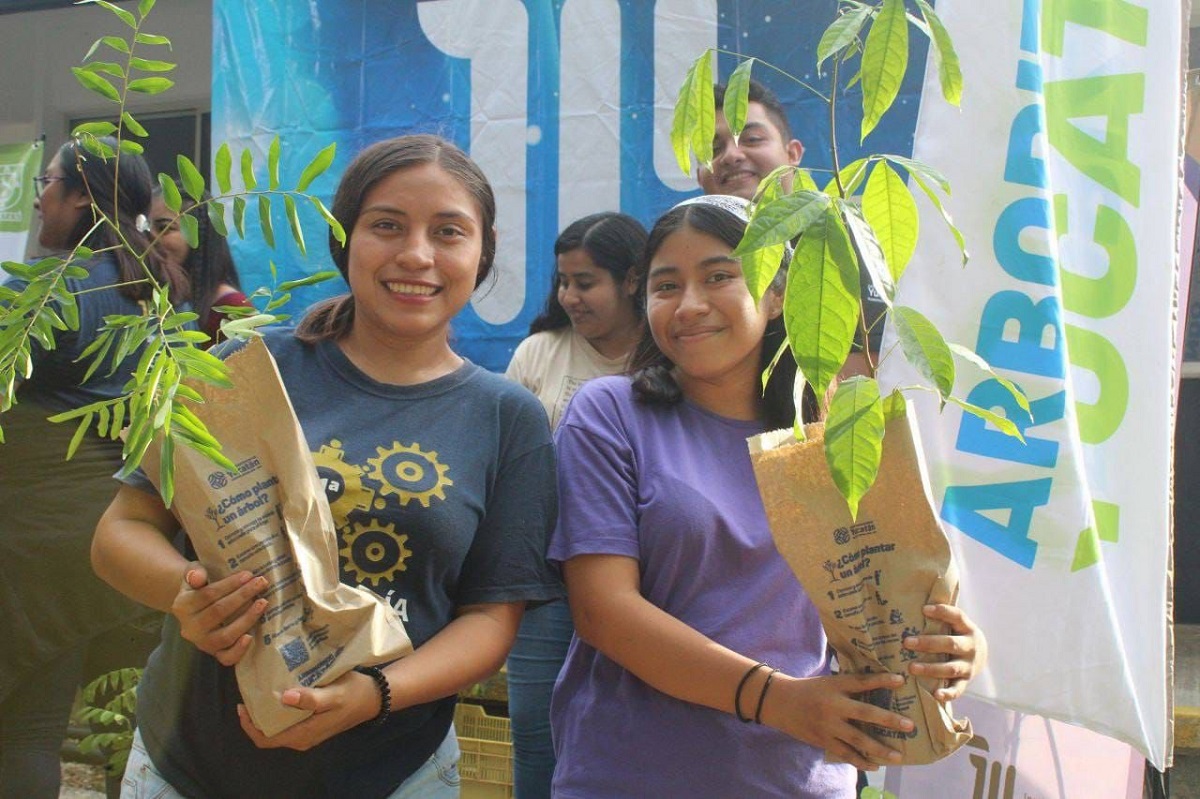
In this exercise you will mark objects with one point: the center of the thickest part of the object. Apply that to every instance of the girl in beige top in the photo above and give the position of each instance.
(587, 330)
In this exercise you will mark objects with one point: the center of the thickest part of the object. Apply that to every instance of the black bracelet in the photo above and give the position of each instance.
(763, 696)
(385, 693)
(737, 695)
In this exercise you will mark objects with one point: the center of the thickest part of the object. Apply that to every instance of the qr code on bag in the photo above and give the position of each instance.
(295, 654)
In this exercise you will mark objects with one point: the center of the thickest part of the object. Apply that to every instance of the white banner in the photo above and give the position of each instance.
(19, 164)
(1015, 756)
(1065, 168)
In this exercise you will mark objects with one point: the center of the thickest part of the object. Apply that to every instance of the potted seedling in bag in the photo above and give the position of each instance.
(846, 494)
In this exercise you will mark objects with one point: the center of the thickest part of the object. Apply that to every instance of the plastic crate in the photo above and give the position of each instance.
(486, 744)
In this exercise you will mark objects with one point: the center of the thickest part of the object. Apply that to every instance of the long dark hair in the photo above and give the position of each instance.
(332, 319)
(612, 240)
(210, 263)
(653, 380)
(125, 189)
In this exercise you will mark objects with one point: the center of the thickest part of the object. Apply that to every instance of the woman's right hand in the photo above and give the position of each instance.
(218, 617)
(822, 711)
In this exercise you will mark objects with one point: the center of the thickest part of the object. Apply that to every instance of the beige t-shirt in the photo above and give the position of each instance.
(553, 365)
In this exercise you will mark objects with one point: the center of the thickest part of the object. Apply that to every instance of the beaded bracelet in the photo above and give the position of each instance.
(763, 696)
(737, 695)
(385, 693)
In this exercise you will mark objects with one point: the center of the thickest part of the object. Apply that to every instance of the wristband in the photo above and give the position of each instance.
(763, 696)
(385, 693)
(737, 695)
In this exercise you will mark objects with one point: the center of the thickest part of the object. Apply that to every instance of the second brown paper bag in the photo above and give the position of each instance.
(868, 577)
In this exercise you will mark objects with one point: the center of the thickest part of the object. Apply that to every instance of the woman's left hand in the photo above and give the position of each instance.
(346, 702)
(966, 647)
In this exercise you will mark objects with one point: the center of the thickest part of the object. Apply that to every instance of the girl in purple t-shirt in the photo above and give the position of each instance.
(675, 585)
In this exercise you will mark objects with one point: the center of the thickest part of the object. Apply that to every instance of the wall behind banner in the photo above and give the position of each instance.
(565, 104)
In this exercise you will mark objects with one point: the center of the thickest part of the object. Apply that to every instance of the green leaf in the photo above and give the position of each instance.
(80, 431)
(803, 181)
(884, 62)
(309, 280)
(152, 38)
(975, 359)
(130, 146)
(335, 226)
(132, 125)
(96, 84)
(781, 220)
(694, 122)
(921, 171)
(759, 268)
(166, 470)
(949, 69)
(925, 348)
(216, 215)
(239, 216)
(1001, 423)
(937, 203)
(869, 251)
(854, 438)
(121, 13)
(321, 162)
(190, 229)
(150, 85)
(106, 68)
(223, 161)
(151, 65)
(115, 42)
(170, 192)
(289, 205)
(193, 183)
(248, 171)
(821, 304)
(144, 7)
(890, 210)
(851, 177)
(273, 164)
(894, 406)
(841, 33)
(737, 98)
(94, 128)
(264, 218)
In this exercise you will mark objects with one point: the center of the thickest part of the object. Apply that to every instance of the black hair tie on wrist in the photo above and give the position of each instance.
(763, 696)
(385, 693)
(737, 695)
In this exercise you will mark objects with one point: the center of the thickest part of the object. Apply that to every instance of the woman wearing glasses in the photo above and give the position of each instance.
(51, 604)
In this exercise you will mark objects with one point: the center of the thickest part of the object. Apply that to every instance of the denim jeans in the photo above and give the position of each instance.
(533, 666)
(33, 723)
(437, 778)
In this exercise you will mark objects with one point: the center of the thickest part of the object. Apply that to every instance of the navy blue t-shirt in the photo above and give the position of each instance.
(443, 495)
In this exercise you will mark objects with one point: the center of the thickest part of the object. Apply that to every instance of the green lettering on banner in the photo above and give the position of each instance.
(1118, 18)
(1102, 296)
(1107, 529)
(1092, 351)
(1114, 97)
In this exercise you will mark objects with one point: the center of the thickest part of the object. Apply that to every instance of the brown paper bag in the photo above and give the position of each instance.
(271, 517)
(869, 578)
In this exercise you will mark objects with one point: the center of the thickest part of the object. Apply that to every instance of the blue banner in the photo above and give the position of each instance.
(565, 104)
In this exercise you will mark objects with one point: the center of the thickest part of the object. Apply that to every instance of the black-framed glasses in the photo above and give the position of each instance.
(42, 181)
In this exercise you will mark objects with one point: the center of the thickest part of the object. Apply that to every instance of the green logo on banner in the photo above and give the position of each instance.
(18, 165)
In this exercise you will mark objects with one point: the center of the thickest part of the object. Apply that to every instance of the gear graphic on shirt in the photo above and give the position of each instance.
(342, 482)
(373, 552)
(410, 473)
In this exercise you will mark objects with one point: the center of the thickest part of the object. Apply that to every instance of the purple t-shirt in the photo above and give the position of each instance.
(672, 486)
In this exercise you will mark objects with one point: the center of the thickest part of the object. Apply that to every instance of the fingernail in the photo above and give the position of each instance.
(906, 724)
(262, 582)
(894, 757)
(260, 605)
(916, 668)
(930, 608)
(910, 642)
(897, 679)
(244, 578)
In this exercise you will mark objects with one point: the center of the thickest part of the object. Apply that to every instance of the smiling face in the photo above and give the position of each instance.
(59, 208)
(701, 314)
(600, 309)
(414, 255)
(171, 242)
(738, 168)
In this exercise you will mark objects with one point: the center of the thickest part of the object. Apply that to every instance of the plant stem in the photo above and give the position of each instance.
(837, 167)
(111, 286)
